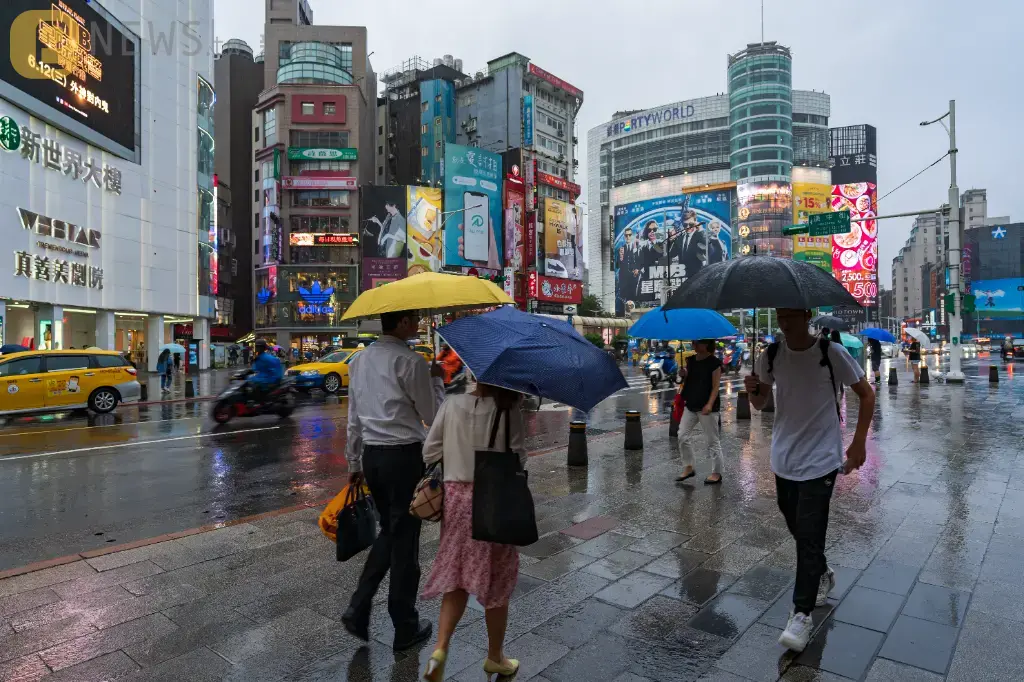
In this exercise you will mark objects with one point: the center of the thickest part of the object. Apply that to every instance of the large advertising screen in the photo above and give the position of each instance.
(563, 240)
(999, 299)
(71, 63)
(383, 234)
(662, 242)
(855, 254)
(424, 227)
(515, 232)
(764, 208)
(472, 195)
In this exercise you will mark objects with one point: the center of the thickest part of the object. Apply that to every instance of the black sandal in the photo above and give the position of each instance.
(680, 479)
(709, 481)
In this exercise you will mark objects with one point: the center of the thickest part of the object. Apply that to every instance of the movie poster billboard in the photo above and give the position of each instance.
(424, 230)
(563, 240)
(764, 208)
(855, 254)
(515, 232)
(662, 242)
(473, 195)
(382, 234)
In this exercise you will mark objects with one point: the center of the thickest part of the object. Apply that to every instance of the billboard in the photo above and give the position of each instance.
(813, 250)
(382, 234)
(515, 234)
(659, 242)
(527, 120)
(424, 230)
(472, 195)
(554, 289)
(855, 254)
(999, 299)
(852, 152)
(764, 208)
(563, 240)
(810, 198)
(72, 64)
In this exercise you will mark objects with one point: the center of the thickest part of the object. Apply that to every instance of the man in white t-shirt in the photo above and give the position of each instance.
(807, 448)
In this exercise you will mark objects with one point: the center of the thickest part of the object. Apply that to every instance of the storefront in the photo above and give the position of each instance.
(300, 307)
(99, 243)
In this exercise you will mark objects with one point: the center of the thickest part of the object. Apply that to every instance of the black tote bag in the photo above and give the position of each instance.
(357, 524)
(502, 504)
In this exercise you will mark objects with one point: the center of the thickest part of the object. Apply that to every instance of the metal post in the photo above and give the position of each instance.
(956, 374)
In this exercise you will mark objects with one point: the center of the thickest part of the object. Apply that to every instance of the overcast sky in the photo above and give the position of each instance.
(889, 63)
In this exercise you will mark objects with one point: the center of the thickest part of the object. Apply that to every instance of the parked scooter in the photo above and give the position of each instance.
(663, 367)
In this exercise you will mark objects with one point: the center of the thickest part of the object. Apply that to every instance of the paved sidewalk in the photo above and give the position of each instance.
(635, 578)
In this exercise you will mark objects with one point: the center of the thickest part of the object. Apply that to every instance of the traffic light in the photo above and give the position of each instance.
(968, 303)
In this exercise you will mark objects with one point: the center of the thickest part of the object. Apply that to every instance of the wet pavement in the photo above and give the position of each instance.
(635, 577)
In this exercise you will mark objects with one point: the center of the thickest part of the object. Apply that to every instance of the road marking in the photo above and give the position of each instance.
(98, 426)
(134, 443)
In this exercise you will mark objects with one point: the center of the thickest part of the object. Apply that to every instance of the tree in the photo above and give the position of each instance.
(595, 339)
(590, 306)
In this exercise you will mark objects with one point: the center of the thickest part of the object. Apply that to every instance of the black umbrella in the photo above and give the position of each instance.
(760, 282)
(829, 322)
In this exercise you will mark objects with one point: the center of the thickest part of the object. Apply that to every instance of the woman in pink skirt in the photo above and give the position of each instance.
(465, 566)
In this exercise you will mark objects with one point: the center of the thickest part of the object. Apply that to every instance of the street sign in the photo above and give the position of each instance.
(956, 340)
(825, 224)
(791, 230)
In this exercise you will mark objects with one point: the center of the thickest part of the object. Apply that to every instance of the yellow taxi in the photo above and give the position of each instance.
(62, 380)
(424, 351)
(329, 373)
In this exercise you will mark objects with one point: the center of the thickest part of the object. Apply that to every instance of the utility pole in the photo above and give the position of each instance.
(953, 258)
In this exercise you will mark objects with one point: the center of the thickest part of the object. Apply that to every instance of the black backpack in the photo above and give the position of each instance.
(823, 344)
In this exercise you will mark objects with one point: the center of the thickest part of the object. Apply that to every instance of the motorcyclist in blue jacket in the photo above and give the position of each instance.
(267, 372)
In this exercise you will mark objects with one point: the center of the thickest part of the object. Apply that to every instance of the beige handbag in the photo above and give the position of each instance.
(428, 500)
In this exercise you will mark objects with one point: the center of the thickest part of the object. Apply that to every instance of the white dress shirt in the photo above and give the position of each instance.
(391, 395)
(463, 426)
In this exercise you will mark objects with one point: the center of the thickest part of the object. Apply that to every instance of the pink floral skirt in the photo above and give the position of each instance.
(484, 569)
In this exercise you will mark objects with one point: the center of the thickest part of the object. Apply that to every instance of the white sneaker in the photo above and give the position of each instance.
(797, 632)
(827, 584)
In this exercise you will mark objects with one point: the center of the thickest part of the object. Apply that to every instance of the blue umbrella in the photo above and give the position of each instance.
(175, 348)
(12, 348)
(535, 355)
(878, 335)
(682, 324)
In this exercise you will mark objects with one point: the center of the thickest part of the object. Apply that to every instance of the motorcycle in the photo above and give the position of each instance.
(732, 361)
(235, 401)
(663, 368)
(459, 382)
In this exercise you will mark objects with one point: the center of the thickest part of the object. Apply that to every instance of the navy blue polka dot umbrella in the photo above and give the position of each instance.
(534, 355)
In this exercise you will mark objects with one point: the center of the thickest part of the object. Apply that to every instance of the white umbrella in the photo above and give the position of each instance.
(920, 336)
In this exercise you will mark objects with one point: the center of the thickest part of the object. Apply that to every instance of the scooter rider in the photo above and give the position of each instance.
(267, 372)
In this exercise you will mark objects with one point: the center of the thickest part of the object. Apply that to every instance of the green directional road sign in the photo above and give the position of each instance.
(794, 230)
(825, 224)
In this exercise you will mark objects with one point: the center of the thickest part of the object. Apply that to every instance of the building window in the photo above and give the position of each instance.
(423, 106)
(256, 196)
(321, 198)
(256, 175)
(234, 266)
(308, 109)
(330, 224)
(299, 167)
(380, 130)
(380, 170)
(256, 134)
(284, 50)
(270, 126)
(319, 139)
(380, 149)
(423, 150)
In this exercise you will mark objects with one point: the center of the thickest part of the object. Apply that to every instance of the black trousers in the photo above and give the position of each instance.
(805, 504)
(392, 473)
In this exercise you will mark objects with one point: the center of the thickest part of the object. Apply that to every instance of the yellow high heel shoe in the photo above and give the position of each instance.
(504, 672)
(435, 666)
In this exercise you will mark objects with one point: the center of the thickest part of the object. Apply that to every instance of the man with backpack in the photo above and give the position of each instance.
(807, 448)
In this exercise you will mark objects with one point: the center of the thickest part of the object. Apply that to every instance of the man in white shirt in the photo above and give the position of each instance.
(807, 448)
(393, 396)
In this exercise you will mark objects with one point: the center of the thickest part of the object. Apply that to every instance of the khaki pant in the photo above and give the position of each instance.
(709, 423)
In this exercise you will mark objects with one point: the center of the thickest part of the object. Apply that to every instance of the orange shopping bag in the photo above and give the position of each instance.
(329, 516)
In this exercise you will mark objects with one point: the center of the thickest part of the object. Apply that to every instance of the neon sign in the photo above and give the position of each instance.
(316, 299)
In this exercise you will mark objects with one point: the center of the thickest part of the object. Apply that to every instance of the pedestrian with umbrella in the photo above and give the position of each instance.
(807, 436)
(510, 353)
(876, 337)
(393, 398)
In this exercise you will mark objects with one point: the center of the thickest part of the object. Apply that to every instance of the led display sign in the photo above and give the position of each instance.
(72, 64)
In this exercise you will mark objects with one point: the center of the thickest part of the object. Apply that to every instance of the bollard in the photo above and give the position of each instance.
(743, 405)
(143, 392)
(634, 432)
(893, 381)
(190, 388)
(924, 375)
(577, 444)
(993, 374)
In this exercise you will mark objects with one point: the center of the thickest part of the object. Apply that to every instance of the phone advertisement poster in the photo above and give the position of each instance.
(473, 198)
(563, 242)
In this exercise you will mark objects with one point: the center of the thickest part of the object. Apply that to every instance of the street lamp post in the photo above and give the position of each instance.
(955, 374)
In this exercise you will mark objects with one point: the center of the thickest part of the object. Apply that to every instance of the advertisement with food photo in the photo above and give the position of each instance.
(563, 243)
(424, 242)
(855, 253)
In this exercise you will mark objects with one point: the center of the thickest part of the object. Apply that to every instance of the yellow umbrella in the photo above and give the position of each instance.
(428, 291)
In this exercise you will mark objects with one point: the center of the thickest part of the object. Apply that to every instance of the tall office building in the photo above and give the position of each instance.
(239, 79)
(314, 128)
